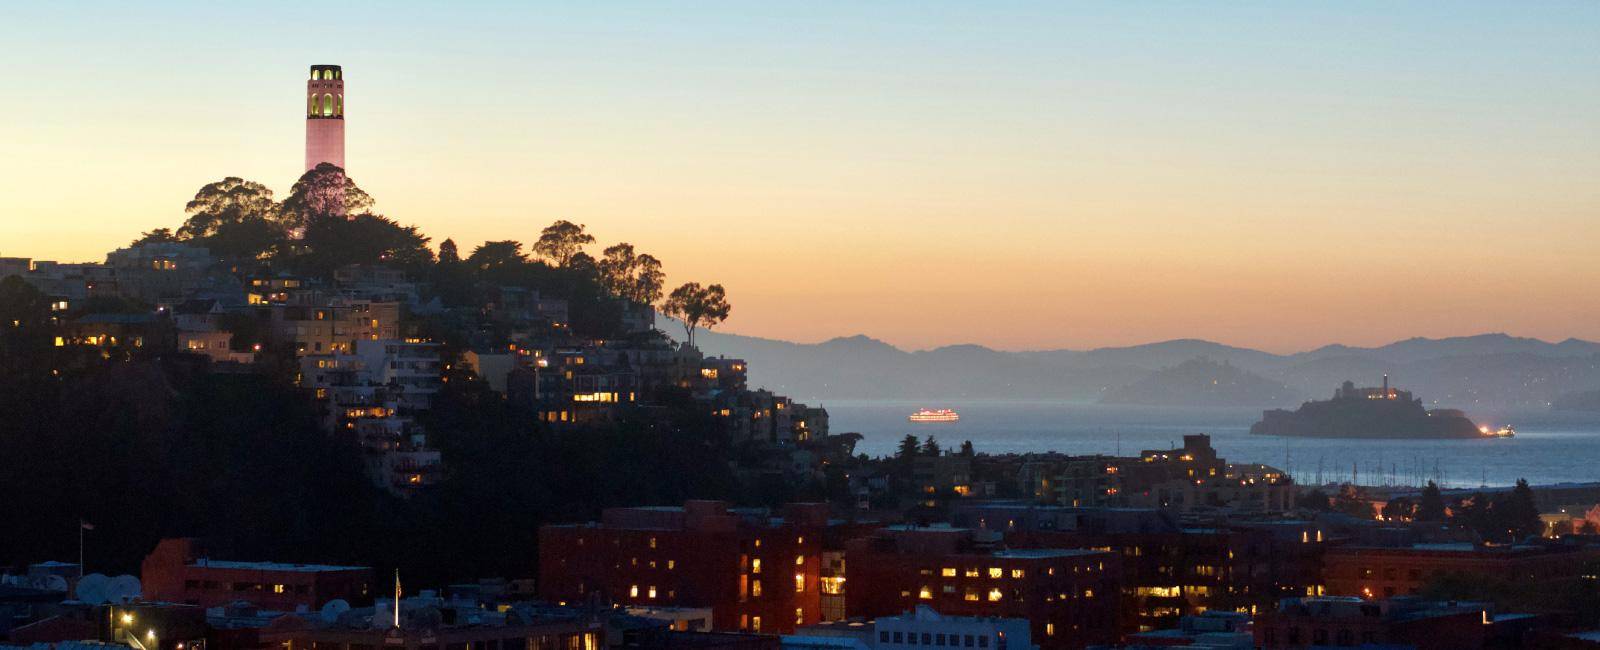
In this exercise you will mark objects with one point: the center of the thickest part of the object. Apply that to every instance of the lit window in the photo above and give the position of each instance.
(633, 592)
(994, 595)
(1016, 573)
(755, 589)
(799, 582)
(799, 560)
(1049, 629)
(948, 572)
(925, 593)
(996, 572)
(652, 591)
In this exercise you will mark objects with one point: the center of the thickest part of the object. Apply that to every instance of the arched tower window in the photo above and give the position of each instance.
(338, 106)
(311, 104)
(327, 105)
(316, 75)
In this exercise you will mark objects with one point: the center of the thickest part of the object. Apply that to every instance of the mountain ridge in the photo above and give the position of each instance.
(1490, 369)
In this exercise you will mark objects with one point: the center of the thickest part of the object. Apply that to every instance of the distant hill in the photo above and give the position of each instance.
(1203, 382)
(1466, 372)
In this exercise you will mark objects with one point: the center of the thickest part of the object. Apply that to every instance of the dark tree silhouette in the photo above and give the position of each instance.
(560, 241)
(697, 307)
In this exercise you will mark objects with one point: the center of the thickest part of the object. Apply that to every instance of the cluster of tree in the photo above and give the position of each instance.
(910, 448)
(1510, 516)
(327, 222)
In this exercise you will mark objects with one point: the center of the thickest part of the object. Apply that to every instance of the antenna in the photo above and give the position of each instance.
(92, 588)
(123, 589)
(333, 609)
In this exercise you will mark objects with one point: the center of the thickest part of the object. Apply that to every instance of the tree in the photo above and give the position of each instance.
(364, 239)
(560, 241)
(908, 448)
(1518, 512)
(966, 449)
(497, 255)
(1350, 501)
(697, 307)
(231, 200)
(1316, 499)
(157, 236)
(448, 253)
(323, 192)
(1400, 509)
(637, 278)
(930, 447)
(1431, 507)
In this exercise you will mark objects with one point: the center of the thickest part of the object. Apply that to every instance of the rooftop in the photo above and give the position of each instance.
(1045, 553)
(273, 566)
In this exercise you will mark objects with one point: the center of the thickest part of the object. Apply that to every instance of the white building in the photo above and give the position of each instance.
(920, 628)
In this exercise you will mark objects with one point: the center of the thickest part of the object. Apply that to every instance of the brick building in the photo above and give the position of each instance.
(1069, 596)
(1378, 572)
(757, 573)
(1351, 622)
(177, 572)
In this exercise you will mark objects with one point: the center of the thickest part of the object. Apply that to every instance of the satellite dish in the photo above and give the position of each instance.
(92, 588)
(54, 583)
(333, 609)
(123, 589)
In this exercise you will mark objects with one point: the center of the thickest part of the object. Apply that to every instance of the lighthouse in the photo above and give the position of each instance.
(325, 117)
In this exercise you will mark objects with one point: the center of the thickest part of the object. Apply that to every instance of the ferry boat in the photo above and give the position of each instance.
(1506, 431)
(931, 415)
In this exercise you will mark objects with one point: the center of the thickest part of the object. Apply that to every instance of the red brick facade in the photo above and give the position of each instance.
(175, 572)
(756, 574)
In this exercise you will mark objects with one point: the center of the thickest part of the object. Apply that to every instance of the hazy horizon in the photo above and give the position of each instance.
(676, 329)
(1022, 176)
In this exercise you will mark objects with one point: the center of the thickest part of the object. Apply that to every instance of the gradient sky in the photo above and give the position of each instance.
(1019, 175)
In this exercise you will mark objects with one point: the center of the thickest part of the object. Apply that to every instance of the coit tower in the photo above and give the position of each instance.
(325, 116)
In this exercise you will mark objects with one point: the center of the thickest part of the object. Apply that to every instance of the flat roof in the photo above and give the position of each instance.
(1044, 553)
(273, 566)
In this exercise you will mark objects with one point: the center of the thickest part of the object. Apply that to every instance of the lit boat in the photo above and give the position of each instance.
(930, 415)
(1506, 431)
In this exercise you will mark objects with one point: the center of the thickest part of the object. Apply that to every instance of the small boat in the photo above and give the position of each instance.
(931, 415)
(1506, 431)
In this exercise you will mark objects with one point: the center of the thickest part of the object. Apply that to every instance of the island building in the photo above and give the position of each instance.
(325, 117)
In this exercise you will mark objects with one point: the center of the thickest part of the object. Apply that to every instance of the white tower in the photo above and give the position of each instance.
(325, 116)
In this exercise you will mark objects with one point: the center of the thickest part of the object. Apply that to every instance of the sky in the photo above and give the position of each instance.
(1021, 175)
